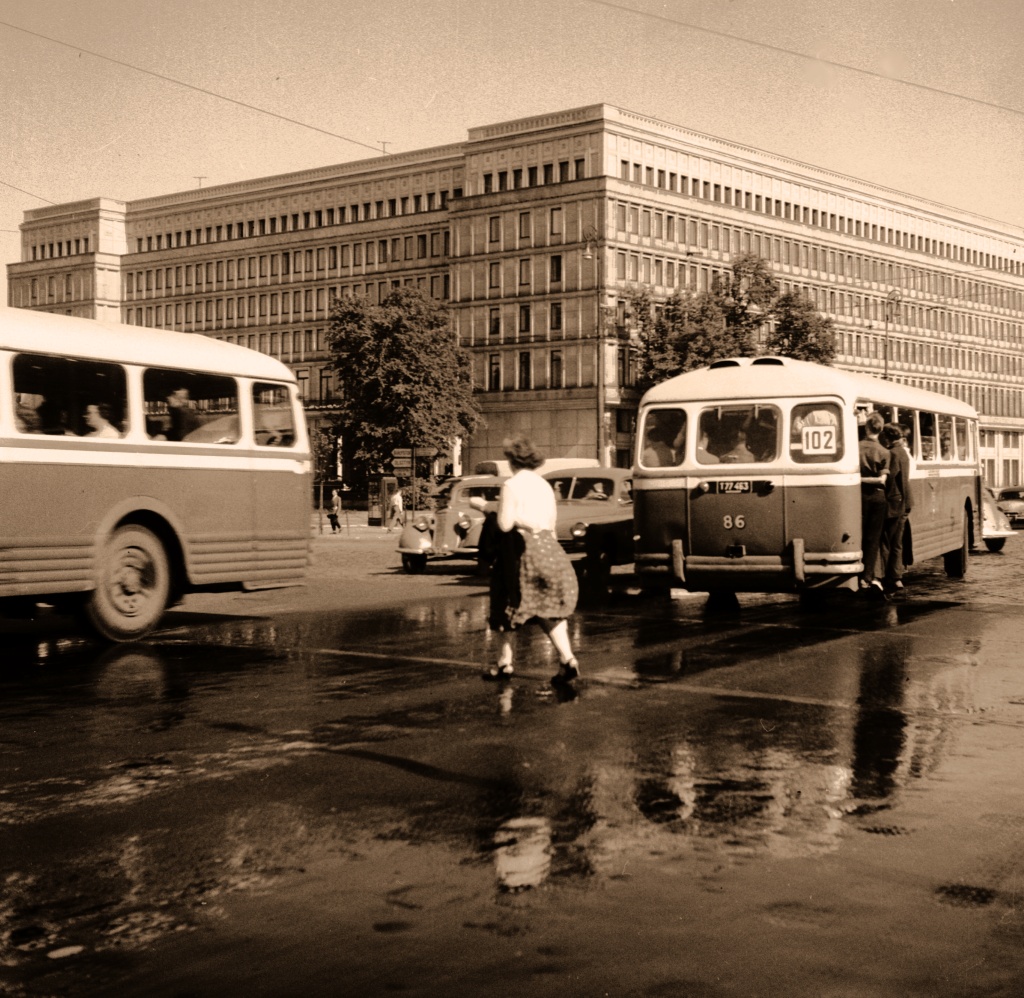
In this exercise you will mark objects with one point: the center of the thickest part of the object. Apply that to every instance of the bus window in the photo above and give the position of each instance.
(62, 396)
(739, 434)
(816, 436)
(946, 437)
(929, 436)
(963, 440)
(192, 407)
(273, 417)
(907, 421)
(661, 445)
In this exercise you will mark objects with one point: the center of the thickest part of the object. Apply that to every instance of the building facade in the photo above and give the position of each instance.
(535, 231)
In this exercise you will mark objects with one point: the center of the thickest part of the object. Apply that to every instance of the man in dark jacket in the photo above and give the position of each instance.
(874, 471)
(898, 505)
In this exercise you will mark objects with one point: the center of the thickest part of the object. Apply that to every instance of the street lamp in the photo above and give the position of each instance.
(892, 298)
(591, 237)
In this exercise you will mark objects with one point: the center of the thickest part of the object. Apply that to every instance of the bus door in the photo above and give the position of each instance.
(737, 507)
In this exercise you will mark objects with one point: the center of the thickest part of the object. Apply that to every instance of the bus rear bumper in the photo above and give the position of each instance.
(796, 569)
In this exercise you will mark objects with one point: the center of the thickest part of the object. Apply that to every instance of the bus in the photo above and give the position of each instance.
(138, 465)
(747, 478)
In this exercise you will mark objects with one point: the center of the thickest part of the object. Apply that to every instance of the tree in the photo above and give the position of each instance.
(747, 299)
(404, 379)
(801, 331)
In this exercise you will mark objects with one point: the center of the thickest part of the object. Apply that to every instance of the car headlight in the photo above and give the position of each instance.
(422, 525)
(579, 531)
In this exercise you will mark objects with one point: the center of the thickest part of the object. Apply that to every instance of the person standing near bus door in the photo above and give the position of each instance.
(333, 511)
(874, 471)
(184, 419)
(898, 506)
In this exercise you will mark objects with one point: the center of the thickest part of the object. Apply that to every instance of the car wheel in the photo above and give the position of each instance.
(133, 585)
(414, 564)
(995, 544)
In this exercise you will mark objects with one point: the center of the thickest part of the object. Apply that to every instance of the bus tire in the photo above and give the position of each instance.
(414, 564)
(133, 585)
(995, 544)
(955, 562)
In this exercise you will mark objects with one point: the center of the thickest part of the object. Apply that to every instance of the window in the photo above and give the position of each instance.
(741, 434)
(494, 279)
(563, 171)
(816, 433)
(662, 438)
(524, 271)
(273, 415)
(524, 225)
(524, 318)
(555, 369)
(494, 322)
(60, 396)
(556, 269)
(187, 406)
(556, 316)
(556, 221)
(494, 372)
(524, 369)
(494, 228)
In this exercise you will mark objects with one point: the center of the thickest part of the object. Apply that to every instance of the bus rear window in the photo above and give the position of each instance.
(816, 433)
(738, 434)
(62, 396)
(192, 407)
(661, 445)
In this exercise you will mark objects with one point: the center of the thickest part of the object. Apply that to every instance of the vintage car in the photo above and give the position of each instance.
(595, 515)
(452, 527)
(995, 525)
(1010, 499)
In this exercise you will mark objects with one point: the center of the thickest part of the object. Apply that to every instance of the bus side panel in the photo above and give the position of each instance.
(659, 518)
(936, 520)
(45, 545)
(282, 512)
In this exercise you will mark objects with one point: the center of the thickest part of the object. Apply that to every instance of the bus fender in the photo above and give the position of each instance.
(158, 517)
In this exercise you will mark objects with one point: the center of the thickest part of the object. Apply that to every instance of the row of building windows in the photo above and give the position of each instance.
(700, 234)
(530, 370)
(64, 247)
(313, 219)
(300, 264)
(767, 205)
(535, 176)
(286, 306)
(39, 291)
(526, 226)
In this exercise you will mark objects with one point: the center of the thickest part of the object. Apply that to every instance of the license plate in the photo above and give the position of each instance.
(733, 487)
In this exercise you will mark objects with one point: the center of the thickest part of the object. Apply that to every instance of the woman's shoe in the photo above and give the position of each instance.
(567, 673)
(499, 672)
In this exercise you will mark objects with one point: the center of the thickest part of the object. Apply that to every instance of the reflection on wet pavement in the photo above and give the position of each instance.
(215, 768)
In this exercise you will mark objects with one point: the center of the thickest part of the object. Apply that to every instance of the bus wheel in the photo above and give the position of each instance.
(133, 585)
(955, 562)
(414, 563)
(995, 544)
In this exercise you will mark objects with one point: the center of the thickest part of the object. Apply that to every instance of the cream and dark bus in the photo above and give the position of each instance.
(137, 465)
(746, 476)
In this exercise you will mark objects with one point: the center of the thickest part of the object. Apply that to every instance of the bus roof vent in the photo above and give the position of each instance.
(723, 363)
(773, 361)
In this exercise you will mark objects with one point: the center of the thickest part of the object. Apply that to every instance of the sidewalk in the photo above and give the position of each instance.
(353, 525)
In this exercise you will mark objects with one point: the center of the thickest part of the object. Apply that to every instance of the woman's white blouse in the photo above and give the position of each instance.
(527, 501)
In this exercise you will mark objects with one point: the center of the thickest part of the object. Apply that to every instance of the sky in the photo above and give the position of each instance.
(921, 96)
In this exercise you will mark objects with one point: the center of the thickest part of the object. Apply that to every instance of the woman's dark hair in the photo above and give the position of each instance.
(521, 453)
(891, 432)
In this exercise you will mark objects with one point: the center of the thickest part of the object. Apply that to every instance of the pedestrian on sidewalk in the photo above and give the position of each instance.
(532, 578)
(333, 511)
(396, 510)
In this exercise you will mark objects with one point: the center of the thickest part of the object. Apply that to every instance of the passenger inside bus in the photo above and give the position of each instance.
(664, 431)
(98, 419)
(739, 453)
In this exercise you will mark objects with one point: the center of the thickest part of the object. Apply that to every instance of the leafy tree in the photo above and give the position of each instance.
(405, 381)
(801, 331)
(747, 299)
(657, 356)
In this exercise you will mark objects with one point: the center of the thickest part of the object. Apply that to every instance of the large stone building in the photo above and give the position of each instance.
(534, 231)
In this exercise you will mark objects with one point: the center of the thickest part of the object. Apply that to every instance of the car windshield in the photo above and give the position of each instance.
(1012, 494)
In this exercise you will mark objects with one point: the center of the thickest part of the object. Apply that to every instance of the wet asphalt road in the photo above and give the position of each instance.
(312, 792)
